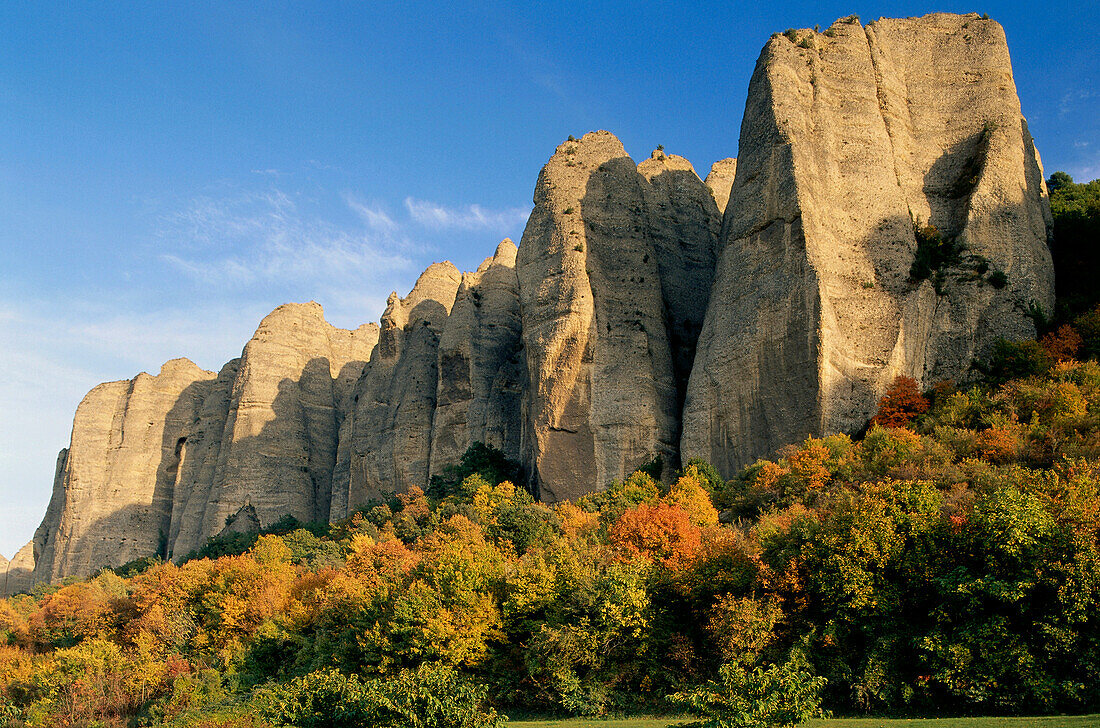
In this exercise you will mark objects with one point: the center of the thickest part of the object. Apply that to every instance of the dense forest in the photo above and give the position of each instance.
(946, 560)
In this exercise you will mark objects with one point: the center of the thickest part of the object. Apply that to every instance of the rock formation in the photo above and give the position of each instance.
(851, 139)
(17, 575)
(112, 497)
(159, 464)
(614, 271)
(390, 426)
(886, 215)
(720, 180)
(480, 364)
(267, 436)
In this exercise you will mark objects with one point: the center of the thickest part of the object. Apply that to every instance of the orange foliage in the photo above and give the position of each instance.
(998, 445)
(767, 477)
(901, 403)
(575, 521)
(662, 533)
(387, 561)
(71, 614)
(808, 462)
(1063, 344)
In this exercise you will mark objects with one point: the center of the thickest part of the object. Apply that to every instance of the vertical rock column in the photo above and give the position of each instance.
(481, 366)
(388, 434)
(848, 138)
(605, 256)
(279, 442)
(113, 495)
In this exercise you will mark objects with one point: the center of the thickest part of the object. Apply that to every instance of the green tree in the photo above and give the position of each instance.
(778, 696)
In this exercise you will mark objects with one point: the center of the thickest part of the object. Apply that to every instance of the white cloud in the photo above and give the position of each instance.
(256, 238)
(375, 218)
(471, 217)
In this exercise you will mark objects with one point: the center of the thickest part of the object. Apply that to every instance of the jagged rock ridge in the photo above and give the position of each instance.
(645, 313)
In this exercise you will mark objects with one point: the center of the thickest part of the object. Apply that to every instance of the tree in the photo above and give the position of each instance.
(662, 533)
(754, 697)
(901, 403)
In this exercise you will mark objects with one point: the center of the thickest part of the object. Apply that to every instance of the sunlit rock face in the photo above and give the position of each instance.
(614, 269)
(646, 313)
(849, 138)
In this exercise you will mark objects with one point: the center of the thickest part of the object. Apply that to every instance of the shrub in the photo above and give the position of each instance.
(901, 403)
(428, 697)
(1014, 360)
(935, 253)
(1063, 344)
(744, 697)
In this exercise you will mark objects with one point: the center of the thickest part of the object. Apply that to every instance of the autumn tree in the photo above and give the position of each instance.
(901, 403)
(661, 533)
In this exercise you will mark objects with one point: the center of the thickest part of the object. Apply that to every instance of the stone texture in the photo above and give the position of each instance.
(17, 575)
(720, 180)
(389, 431)
(614, 271)
(481, 369)
(113, 492)
(843, 145)
(278, 449)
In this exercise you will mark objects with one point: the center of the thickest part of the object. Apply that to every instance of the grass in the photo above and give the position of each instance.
(1053, 721)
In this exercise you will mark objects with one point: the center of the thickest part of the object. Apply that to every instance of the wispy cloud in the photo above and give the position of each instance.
(1071, 100)
(263, 237)
(375, 218)
(471, 217)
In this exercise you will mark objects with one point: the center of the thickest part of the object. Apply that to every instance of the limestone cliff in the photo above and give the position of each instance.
(614, 270)
(17, 575)
(720, 181)
(481, 369)
(851, 139)
(113, 494)
(389, 430)
(158, 464)
(267, 435)
(886, 215)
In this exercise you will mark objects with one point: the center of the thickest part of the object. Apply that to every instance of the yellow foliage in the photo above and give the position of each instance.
(489, 499)
(575, 521)
(692, 497)
(271, 550)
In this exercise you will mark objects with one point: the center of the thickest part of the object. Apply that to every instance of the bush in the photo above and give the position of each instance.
(428, 697)
(1014, 360)
(901, 403)
(744, 697)
(479, 459)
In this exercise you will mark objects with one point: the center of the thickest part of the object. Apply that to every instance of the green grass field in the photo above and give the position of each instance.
(1061, 721)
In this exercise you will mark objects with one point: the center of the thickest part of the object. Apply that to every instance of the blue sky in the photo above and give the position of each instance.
(170, 172)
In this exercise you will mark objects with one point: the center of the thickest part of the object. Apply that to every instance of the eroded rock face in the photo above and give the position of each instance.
(720, 180)
(390, 424)
(614, 270)
(17, 575)
(481, 369)
(279, 442)
(267, 435)
(158, 464)
(114, 490)
(646, 313)
(844, 145)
